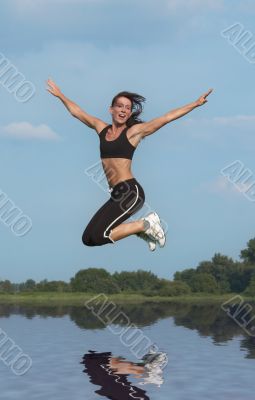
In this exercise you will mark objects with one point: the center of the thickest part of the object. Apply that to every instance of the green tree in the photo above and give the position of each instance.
(185, 275)
(177, 288)
(205, 266)
(250, 290)
(94, 280)
(53, 286)
(6, 286)
(248, 254)
(203, 282)
(41, 286)
(136, 281)
(224, 270)
(29, 285)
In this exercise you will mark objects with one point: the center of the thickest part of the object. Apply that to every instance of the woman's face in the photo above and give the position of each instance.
(121, 110)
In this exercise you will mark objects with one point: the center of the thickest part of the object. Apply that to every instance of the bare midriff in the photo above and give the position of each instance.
(117, 170)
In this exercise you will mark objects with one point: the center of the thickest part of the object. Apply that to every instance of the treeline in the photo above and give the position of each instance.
(98, 280)
(220, 275)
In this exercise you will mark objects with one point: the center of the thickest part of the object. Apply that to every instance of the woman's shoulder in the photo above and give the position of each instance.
(102, 127)
(134, 134)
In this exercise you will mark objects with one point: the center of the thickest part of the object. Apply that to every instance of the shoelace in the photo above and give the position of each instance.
(157, 232)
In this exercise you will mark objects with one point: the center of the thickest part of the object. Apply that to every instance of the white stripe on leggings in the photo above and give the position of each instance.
(120, 216)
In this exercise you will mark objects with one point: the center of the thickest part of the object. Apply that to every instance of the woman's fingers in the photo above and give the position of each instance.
(51, 83)
(52, 87)
(49, 88)
(202, 99)
(208, 92)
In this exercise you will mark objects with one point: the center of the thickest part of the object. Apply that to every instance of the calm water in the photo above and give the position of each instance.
(209, 354)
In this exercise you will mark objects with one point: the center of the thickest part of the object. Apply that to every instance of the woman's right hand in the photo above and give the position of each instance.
(53, 88)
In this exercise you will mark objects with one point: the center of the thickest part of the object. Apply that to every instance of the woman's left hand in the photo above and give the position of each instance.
(202, 99)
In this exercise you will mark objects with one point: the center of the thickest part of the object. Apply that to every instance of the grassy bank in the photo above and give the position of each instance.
(49, 298)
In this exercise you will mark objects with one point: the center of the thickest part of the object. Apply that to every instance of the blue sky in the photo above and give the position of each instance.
(170, 52)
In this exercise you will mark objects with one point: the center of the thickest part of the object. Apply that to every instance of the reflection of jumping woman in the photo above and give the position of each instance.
(118, 142)
(111, 374)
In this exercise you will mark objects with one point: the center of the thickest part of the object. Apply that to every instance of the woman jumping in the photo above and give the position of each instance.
(118, 142)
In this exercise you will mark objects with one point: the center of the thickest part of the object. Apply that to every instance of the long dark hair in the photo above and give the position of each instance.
(137, 106)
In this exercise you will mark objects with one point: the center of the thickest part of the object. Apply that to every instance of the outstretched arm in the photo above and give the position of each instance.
(147, 128)
(74, 109)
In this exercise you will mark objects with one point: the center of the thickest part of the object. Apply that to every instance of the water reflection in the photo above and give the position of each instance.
(209, 320)
(111, 373)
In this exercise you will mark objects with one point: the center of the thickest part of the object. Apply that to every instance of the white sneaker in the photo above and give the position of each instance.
(154, 362)
(155, 230)
(151, 243)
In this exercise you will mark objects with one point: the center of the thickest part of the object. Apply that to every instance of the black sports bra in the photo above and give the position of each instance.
(118, 148)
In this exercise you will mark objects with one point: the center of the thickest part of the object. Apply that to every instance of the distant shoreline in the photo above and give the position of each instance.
(51, 298)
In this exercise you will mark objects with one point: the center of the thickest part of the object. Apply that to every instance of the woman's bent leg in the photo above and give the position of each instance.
(127, 229)
(126, 199)
(91, 234)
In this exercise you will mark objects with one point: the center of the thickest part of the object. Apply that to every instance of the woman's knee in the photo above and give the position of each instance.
(86, 240)
(87, 237)
(94, 239)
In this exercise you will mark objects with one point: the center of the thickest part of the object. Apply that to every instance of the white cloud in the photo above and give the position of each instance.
(231, 121)
(25, 130)
(247, 121)
(220, 129)
(222, 185)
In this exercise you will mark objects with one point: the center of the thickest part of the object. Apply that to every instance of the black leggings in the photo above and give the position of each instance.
(127, 197)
